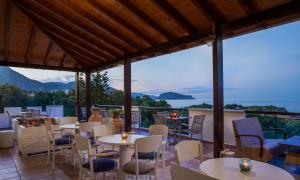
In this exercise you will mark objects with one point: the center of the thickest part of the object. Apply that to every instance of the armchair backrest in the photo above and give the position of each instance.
(159, 129)
(188, 150)
(248, 126)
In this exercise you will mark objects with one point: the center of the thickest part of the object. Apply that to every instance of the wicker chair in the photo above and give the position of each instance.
(196, 127)
(250, 141)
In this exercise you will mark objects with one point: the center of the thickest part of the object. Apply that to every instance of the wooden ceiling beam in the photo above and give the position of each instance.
(65, 42)
(248, 6)
(207, 11)
(7, 30)
(290, 9)
(214, 10)
(36, 66)
(62, 61)
(46, 57)
(142, 15)
(193, 39)
(30, 43)
(102, 25)
(45, 24)
(175, 15)
(124, 23)
(56, 19)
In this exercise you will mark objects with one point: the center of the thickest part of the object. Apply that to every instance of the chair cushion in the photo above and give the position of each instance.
(272, 148)
(146, 155)
(101, 164)
(71, 136)
(62, 141)
(144, 167)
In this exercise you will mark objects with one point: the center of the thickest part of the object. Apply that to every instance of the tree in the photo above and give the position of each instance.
(99, 88)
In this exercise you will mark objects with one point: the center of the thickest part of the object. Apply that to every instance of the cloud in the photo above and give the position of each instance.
(66, 78)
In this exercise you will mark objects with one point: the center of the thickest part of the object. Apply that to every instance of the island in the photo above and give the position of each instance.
(174, 96)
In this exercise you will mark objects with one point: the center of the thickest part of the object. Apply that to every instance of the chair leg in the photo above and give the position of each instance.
(48, 154)
(53, 156)
(80, 172)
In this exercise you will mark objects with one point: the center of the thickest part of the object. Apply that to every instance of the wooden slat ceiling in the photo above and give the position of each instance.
(89, 35)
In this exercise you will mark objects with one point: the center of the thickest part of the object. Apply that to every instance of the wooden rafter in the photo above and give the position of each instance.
(289, 9)
(30, 43)
(45, 24)
(214, 10)
(142, 15)
(75, 60)
(65, 42)
(248, 6)
(195, 38)
(62, 61)
(73, 28)
(207, 11)
(175, 14)
(123, 22)
(46, 57)
(86, 15)
(35, 66)
(7, 30)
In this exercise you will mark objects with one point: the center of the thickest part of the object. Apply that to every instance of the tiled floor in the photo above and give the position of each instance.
(14, 166)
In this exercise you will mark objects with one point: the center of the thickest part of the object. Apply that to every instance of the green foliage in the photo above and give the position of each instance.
(99, 88)
(203, 105)
(14, 96)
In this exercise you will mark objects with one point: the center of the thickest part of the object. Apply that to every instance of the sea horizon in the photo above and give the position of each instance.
(290, 105)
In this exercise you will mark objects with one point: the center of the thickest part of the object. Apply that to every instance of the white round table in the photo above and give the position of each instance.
(122, 143)
(228, 168)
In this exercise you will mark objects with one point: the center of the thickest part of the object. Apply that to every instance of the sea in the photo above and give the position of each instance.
(292, 105)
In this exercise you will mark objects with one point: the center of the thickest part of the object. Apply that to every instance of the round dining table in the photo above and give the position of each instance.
(116, 140)
(228, 168)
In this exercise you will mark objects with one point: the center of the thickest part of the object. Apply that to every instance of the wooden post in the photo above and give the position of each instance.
(127, 95)
(218, 91)
(77, 96)
(88, 94)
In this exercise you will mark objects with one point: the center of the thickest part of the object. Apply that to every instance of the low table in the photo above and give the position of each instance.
(228, 168)
(294, 155)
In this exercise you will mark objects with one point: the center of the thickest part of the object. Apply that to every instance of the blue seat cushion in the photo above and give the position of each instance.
(71, 136)
(102, 164)
(63, 141)
(146, 155)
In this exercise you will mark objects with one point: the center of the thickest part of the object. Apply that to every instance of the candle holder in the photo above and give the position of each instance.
(245, 164)
(124, 135)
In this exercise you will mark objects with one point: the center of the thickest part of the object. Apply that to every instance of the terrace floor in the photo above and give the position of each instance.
(14, 166)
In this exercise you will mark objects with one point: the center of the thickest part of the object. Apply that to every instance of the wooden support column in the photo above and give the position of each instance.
(77, 96)
(88, 94)
(127, 95)
(218, 92)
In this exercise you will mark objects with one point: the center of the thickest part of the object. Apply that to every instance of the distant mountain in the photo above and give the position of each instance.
(134, 94)
(174, 96)
(9, 76)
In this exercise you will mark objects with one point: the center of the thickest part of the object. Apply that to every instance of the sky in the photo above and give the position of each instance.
(263, 64)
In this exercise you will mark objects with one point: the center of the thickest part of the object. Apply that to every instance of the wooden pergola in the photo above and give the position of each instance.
(92, 35)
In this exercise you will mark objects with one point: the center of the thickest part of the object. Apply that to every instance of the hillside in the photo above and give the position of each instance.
(174, 96)
(9, 76)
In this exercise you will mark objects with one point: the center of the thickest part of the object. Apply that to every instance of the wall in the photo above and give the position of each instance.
(229, 116)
